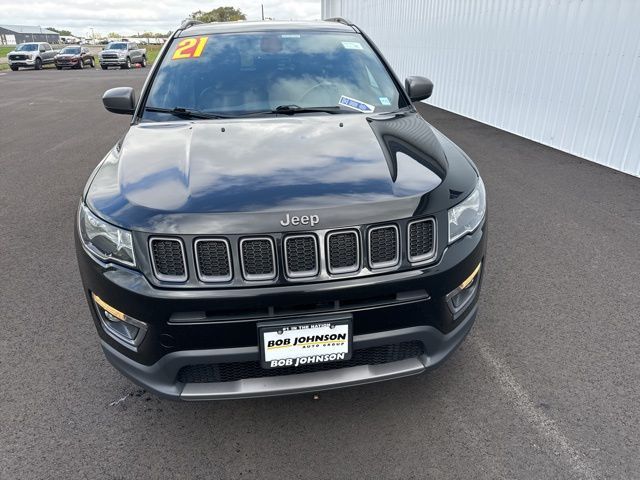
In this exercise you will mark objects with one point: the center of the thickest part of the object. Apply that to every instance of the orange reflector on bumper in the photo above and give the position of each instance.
(470, 278)
(107, 308)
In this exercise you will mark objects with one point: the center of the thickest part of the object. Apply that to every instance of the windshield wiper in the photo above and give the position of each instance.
(185, 112)
(293, 109)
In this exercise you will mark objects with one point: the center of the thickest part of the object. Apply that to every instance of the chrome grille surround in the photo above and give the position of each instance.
(287, 260)
(198, 258)
(371, 246)
(164, 277)
(244, 261)
(342, 269)
(430, 255)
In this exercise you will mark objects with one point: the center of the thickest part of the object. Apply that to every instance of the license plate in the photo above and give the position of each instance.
(321, 340)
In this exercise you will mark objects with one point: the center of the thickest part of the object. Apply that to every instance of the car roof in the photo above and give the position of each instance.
(260, 26)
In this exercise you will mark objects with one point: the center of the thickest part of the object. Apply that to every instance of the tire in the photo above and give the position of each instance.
(143, 63)
(38, 64)
(81, 64)
(92, 64)
(59, 68)
(14, 68)
(104, 67)
(127, 66)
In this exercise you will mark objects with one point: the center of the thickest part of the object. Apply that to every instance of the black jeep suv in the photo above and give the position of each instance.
(278, 219)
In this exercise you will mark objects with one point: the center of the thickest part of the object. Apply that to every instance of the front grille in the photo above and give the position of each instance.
(17, 57)
(421, 238)
(344, 252)
(110, 55)
(301, 256)
(383, 246)
(213, 260)
(258, 258)
(167, 257)
(229, 372)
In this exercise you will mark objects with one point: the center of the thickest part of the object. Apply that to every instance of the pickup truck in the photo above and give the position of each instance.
(123, 55)
(34, 54)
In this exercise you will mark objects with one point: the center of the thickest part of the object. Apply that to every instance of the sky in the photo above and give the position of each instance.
(128, 17)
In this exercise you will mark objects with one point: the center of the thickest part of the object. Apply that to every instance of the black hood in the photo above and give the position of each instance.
(197, 177)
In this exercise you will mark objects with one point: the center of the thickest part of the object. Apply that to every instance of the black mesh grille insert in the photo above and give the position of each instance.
(421, 240)
(343, 252)
(229, 372)
(213, 260)
(383, 246)
(257, 259)
(301, 255)
(168, 259)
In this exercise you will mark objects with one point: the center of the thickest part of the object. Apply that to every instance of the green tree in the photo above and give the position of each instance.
(220, 14)
(114, 35)
(65, 33)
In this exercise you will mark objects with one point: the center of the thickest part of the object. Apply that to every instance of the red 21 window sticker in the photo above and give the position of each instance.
(190, 48)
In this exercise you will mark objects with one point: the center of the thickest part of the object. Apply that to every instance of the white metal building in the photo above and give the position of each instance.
(565, 73)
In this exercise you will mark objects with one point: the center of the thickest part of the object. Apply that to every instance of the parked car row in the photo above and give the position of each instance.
(38, 54)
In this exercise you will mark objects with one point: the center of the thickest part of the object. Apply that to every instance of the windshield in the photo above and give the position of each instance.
(117, 46)
(237, 74)
(70, 51)
(27, 47)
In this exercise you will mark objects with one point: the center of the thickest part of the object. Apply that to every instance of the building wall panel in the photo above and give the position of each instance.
(565, 73)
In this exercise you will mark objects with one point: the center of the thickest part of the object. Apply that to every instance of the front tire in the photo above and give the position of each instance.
(38, 65)
(81, 64)
(127, 66)
(104, 67)
(92, 64)
(14, 68)
(143, 63)
(58, 67)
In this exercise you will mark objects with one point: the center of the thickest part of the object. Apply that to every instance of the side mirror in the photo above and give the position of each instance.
(418, 88)
(42, 50)
(120, 100)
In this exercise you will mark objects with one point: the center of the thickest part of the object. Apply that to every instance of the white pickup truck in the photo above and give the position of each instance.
(34, 54)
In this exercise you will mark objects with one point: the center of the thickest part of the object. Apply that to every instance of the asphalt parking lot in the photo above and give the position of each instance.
(546, 386)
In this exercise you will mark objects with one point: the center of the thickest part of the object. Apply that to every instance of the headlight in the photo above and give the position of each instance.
(104, 240)
(467, 215)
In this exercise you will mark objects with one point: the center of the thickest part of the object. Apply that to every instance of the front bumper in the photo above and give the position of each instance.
(189, 327)
(160, 377)
(113, 62)
(22, 63)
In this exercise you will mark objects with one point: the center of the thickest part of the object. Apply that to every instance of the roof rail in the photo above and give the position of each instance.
(189, 22)
(341, 20)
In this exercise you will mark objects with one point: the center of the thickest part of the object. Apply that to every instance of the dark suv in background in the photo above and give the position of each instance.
(278, 218)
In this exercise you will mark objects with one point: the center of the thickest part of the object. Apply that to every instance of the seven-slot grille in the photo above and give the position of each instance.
(301, 256)
(213, 259)
(421, 240)
(258, 258)
(343, 252)
(384, 245)
(168, 259)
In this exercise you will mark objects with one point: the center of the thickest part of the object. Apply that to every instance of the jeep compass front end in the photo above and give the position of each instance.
(278, 219)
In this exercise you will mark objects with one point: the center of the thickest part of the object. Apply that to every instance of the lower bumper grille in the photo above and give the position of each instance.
(229, 372)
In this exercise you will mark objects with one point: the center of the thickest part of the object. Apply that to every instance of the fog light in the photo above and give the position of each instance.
(121, 327)
(461, 296)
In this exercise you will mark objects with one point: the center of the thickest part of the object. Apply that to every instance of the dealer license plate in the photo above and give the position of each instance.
(323, 340)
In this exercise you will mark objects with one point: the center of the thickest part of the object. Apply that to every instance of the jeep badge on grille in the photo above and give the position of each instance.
(303, 220)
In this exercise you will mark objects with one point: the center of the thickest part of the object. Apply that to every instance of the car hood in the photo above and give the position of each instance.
(196, 177)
